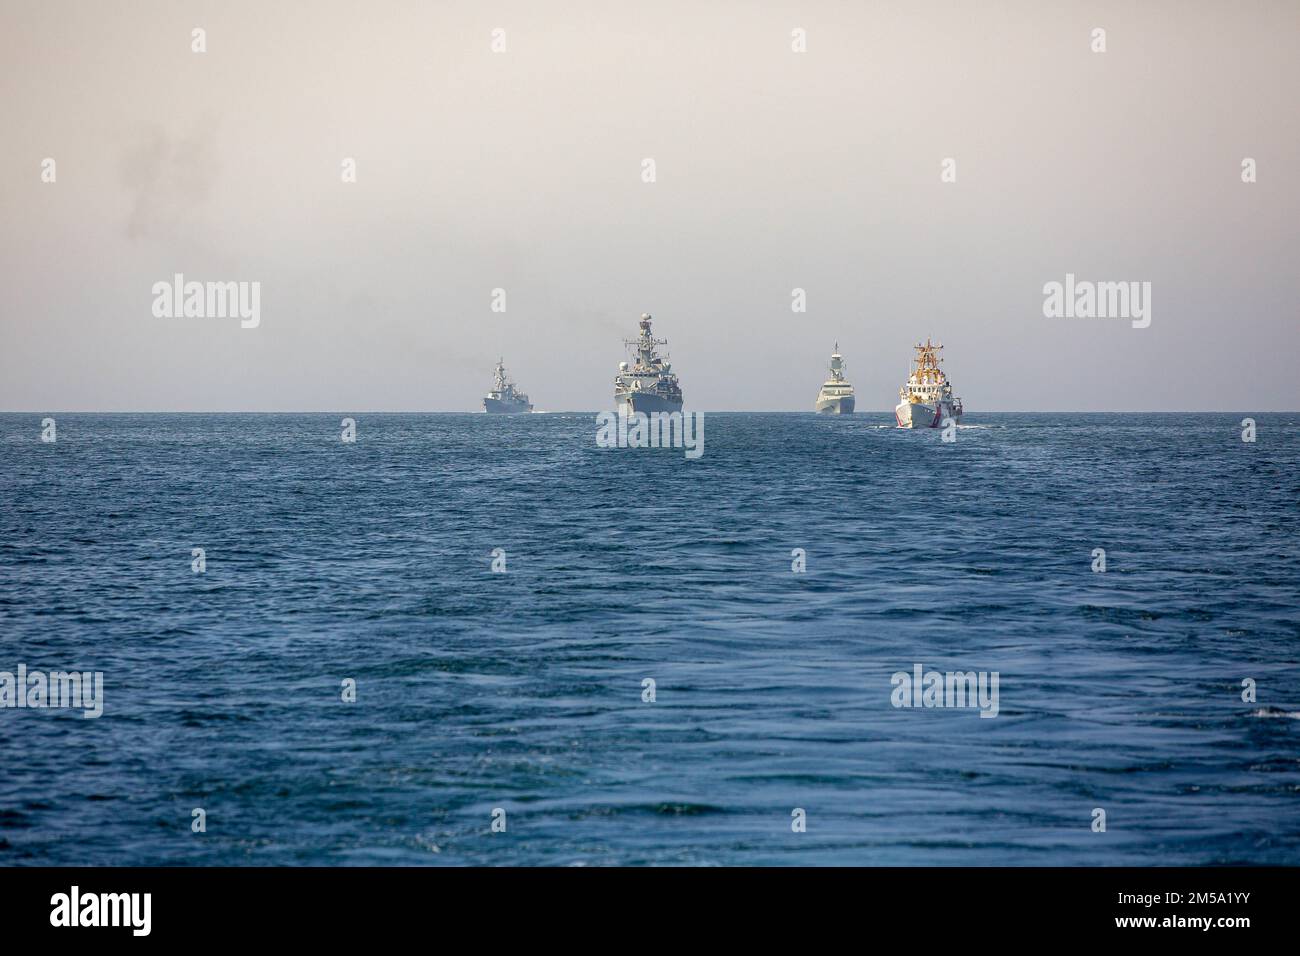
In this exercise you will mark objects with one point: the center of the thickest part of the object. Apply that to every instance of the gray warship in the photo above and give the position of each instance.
(836, 396)
(505, 398)
(647, 384)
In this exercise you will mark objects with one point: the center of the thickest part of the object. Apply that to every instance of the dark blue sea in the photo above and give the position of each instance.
(522, 691)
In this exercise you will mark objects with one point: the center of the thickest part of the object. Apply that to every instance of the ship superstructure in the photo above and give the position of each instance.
(926, 399)
(836, 396)
(505, 398)
(647, 383)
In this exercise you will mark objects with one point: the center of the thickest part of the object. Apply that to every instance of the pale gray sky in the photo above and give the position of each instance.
(522, 170)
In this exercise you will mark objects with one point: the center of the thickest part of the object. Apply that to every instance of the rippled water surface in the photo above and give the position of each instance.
(475, 690)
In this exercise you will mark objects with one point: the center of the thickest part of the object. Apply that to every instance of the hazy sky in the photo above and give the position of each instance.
(522, 170)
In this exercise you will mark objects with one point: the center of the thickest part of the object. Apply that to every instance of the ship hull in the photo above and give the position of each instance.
(494, 406)
(918, 415)
(647, 402)
(840, 405)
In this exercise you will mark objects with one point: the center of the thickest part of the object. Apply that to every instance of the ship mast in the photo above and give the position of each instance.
(837, 365)
(645, 344)
(927, 363)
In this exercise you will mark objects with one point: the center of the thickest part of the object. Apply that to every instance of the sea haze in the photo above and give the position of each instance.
(523, 691)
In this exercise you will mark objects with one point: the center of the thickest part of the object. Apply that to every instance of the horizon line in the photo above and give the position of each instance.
(715, 411)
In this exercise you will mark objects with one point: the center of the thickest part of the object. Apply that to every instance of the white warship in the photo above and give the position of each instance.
(505, 398)
(836, 396)
(648, 383)
(926, 400)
